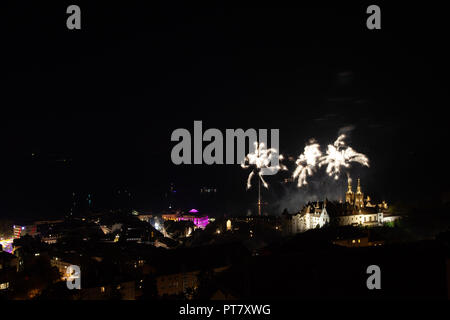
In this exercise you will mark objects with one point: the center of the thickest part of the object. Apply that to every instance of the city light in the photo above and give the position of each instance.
(7, 244)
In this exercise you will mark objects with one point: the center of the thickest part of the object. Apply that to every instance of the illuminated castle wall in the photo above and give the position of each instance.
(310, 217)
(355, 211)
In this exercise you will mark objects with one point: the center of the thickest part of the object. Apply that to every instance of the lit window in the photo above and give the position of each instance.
(4, 286)
(102, 289)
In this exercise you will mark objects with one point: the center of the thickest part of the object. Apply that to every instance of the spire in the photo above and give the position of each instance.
(349, 194)
(349, 184)
(359, 196)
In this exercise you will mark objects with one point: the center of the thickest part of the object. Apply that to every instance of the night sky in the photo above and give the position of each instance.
(107, 98)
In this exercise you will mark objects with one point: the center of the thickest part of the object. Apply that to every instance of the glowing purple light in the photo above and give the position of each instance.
(7, 245)
(198, 221)
(193, 211)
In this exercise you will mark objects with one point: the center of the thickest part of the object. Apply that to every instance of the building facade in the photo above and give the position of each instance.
(199, 220)
(356, 211)
(310, 217)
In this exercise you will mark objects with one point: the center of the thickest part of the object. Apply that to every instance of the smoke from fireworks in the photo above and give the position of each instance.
(306, 163)
(349, 179)
(260, 159)
(340, 155)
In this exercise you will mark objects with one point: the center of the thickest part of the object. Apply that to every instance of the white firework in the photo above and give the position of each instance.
(261, 158)
(306, 163)
(340, 155)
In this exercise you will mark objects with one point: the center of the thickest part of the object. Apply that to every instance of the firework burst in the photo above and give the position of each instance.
(339, 156)
(260, 161)
(306, 163)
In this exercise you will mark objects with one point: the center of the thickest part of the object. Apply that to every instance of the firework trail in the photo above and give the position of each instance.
(307, 162)
(261, 159)
(340, 155)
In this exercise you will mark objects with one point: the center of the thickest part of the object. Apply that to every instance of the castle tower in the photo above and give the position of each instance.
(359, 196)
(368, 203)
(349, 193)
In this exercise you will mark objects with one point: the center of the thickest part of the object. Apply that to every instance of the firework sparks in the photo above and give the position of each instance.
(261, 159)
(340, 155)
(306, 163)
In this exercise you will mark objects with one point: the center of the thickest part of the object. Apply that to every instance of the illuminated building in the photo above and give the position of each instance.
(355, 211)
(51, 239)
(358, 242)
(145, 217)
(349, 196)
(61, 266)
(170, 216)
(359, 196)
(126, 289)
(228, 225)
(7, 244)
(311, 216)
(357, 199)
(200, 221)
(20, 231)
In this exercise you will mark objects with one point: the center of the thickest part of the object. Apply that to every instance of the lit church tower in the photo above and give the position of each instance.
(349, 193)
(359, 196)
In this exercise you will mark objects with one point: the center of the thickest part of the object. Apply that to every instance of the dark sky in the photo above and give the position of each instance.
(106, 98)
